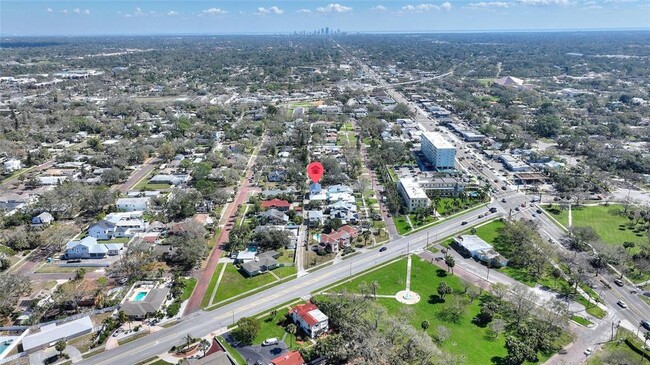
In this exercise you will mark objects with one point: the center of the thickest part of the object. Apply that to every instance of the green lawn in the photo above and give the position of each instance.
(213, 281)
(444, 210)
(419, 223)
(190, 283)
(610, 226)
(285, 271)
(275, 327)
(401, 224)
(233, 283)
(239, 360)
(424, 280)
(580, 320)
(620, 352)
(115, 240)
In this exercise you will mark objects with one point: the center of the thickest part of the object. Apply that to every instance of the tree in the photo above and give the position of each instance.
(271, 239)
(578, 238)
(444, 289)
(166, 151)
(449, 260)
(374, 286)
(628, 245)
(12, 287)
(291, 328)
(519, 351)
(425, 325)
(442, 333)
(80, 273)
(187, 340)
(247, 329)
(60, 346)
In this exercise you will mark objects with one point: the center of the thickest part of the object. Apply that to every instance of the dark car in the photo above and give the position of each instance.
(645, 324)
(539, 211)
(383, 249)
(503, 200)
(618, 282)
(463, 223)
(504, 188)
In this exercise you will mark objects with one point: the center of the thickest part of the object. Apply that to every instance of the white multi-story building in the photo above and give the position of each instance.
(11, 166)
(439, 151)
(413, 194)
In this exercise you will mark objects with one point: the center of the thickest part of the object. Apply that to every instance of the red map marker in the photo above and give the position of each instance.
(315, 171)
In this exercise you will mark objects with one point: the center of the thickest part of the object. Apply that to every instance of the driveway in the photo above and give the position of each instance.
(257, 354)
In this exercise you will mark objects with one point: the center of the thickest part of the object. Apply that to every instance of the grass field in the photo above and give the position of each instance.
(401, 224)
(445, 205)
(274, 327)
(190, 283)
(619, 352)
(610, 226)
(233, 283)
(424, 280)
(213, 282)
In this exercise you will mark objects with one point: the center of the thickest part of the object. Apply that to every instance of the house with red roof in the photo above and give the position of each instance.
(276, 203)
(290, 358)
(310, 319)
(340, 238)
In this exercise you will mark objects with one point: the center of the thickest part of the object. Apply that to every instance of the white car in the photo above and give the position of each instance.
(621, 304)
(588, 351)
(270, 341)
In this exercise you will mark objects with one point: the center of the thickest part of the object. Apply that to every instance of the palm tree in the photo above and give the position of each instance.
(187, 339)
(291, 328)
(123, 318)
(374, 286)
(60, 346)
(205, 345)
(449, 260)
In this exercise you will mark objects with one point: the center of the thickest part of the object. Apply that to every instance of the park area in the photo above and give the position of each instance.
(611, 222)
(453, 332)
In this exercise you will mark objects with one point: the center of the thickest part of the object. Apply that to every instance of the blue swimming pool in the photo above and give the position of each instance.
(140, 296)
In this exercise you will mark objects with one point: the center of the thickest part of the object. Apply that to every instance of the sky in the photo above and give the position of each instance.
(123, 17)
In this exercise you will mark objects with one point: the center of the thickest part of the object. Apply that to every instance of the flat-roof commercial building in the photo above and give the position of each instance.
(439, 151)
(477, 248)
(53, 332)
(414, 196)
(513, 164)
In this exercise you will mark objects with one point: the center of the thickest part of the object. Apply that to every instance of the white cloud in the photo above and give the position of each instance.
(215, 11)
(304, 11)
(127, 15)
(490, 4)
(446, 6)
(172, 13)
(49, 10)
(334, 8)
(544, 2)
(420, 8)
(620, 1)
(272, 10)
(378, 8)
(64, 11)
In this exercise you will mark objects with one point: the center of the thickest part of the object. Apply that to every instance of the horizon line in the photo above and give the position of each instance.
(343, 33)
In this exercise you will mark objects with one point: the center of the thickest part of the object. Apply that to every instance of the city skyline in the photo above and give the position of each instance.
(20, 18)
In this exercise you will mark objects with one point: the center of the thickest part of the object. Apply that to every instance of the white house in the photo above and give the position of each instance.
(133, 204)
(53, 332)
(42, 220)
(116, 225)
(88, 248)
(310, 319)
(11, 166)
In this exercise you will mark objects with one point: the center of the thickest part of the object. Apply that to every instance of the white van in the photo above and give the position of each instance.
(270, 341)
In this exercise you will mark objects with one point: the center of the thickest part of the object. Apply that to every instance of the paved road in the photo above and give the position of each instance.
(144, 170)
(202, 323)
(194, 303)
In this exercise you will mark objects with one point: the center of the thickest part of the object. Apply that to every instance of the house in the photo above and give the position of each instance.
(274, 216)
(176, 179)
(310, 319)
(116, 225)
(277, 176)
(42, 220)
(290, 358)
(11, 166)
(337, 239)
(51, 180)
(339, 189)
(315, 217)
(132, 204)
(245, 255)
(203, 219)
(474, 246)
(52, 332)
(279, 204)
(509, 81)
(88, 248)
(314, 188)
(139, 307)
(261, 264)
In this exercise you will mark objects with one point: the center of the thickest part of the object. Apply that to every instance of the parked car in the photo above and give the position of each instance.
(588, 351)
(503, 200)
(618, 282)
(270, 341)
(646, 324)
(621, 304)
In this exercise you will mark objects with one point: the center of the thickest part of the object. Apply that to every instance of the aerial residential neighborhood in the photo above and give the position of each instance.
(238, 188)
